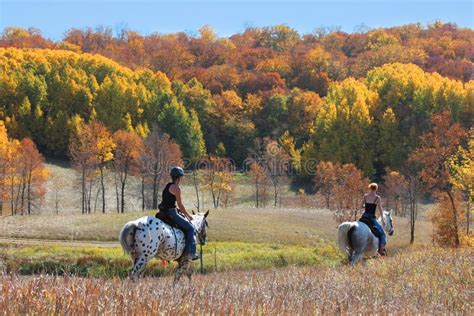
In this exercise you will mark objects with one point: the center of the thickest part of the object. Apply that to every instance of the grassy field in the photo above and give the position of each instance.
(258, 261)
(432, 281)
(239, 239)
(272, 225)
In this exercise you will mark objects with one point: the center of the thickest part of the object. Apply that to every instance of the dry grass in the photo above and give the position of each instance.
(306, 227)
(435, 281)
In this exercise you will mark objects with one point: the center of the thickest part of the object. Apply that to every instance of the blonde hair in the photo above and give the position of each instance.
(373, 186)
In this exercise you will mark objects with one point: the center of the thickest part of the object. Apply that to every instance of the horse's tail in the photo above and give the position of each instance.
(345, 232)
(127, 236)
(349, 237)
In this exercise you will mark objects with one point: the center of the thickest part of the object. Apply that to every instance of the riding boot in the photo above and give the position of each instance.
(190, 256)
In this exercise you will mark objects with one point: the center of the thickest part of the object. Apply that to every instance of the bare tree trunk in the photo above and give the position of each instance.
(89, 198)
(56, 201)
(218, 198)
(327, 196)
(196, 188)
(102, 187)
(123, 182)
(155, 191)
(412, 196)
(256, 193)
(22, 197)
(28, 194)
(12, 192)
(468, 219)
(83, 198)
(143, 192)
(275, 192)
(455, 218)
(117, 195)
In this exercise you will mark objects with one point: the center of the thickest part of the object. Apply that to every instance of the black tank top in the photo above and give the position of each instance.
(370, 208)
(168, 199)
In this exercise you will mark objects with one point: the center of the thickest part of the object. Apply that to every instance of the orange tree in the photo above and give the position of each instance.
(437, 147)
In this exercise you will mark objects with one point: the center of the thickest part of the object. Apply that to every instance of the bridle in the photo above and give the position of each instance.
(202, 237)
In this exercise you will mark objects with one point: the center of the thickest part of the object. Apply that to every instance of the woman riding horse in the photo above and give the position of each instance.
(370, 219)
(179, 216)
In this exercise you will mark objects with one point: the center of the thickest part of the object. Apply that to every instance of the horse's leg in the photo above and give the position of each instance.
(182, 268)
(190, 270)
(355, 257)
(138, 266)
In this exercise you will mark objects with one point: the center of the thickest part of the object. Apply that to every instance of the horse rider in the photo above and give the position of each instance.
(372, 202)
(178, 214)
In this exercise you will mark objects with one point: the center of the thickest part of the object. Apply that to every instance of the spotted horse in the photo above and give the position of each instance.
(149, 237)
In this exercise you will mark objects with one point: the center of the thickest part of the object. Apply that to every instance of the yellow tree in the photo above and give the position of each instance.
(4, 147)
(461, 168)
(90, 149)
(102, 151)
(218, 176)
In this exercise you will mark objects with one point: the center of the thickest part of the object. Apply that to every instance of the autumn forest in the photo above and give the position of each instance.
(383, 104)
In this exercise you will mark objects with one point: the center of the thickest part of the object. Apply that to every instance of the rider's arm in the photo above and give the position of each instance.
(176, 191)
(379, 206)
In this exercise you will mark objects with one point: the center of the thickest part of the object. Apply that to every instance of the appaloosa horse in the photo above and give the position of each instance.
(149, 237)
(356, 239)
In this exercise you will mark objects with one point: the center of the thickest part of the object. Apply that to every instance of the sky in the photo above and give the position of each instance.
(227, 17)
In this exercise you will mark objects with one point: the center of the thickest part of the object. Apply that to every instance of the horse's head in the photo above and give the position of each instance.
(200, 222)
(387, 218)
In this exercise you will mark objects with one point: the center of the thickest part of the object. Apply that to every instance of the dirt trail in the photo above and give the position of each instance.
(51, 242)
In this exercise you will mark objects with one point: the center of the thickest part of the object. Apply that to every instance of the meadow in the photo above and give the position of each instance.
(239, 239)
(274, 260)
(433, 281)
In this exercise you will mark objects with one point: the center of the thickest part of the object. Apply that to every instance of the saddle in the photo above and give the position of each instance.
(368, 222)
(163, 216)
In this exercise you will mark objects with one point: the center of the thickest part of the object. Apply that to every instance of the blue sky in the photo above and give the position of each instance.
(54, 17)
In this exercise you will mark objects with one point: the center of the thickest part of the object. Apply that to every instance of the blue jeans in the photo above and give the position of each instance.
(186, 227)
(377, 229)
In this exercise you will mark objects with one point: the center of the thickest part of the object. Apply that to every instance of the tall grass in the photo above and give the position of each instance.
(434, 281)
(89, 261)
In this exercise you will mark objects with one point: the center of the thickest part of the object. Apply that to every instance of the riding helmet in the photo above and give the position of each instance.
(177, 172)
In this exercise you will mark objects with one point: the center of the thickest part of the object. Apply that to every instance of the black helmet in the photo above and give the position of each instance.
(177, 172)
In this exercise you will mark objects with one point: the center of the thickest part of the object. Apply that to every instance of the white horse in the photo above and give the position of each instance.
(149, 237)
(356, 239)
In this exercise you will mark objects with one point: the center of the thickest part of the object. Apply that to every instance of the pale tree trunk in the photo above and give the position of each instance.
(196, 188)
(83, 198)
(102, 187)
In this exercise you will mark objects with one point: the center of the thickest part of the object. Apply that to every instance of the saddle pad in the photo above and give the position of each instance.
(166, 219)
(368, 222)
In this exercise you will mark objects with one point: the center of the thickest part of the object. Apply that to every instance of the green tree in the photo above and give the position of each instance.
(184, 127)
